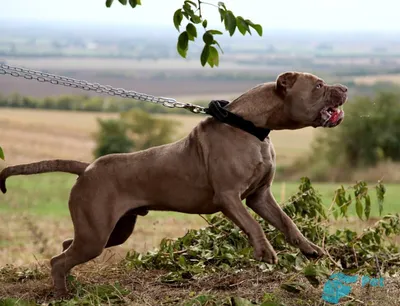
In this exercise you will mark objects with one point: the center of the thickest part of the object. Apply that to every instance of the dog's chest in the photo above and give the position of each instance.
(263, 171)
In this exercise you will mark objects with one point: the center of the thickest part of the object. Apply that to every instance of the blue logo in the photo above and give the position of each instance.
(338, 287)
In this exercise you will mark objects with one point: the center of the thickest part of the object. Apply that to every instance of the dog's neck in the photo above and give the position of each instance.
(258, 106)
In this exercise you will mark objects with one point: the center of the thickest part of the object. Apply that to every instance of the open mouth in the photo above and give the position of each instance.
(331, 116)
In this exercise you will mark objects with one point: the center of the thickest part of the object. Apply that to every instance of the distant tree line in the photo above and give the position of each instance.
(88, 103)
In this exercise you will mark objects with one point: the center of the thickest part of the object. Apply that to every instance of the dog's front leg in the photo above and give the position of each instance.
(232, 207)
(264, 204)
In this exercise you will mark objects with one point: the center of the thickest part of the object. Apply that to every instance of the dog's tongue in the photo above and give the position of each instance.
(335, 116)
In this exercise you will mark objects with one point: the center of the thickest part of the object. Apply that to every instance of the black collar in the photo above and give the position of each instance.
(217, 110)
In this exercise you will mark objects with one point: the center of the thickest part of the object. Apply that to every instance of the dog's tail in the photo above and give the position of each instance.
(56, 165)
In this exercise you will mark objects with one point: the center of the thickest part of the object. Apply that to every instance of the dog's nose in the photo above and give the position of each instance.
(343, 88)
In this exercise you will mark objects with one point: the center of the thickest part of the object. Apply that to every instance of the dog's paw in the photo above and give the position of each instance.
(310, 250)
(62, 295)
(266, 255)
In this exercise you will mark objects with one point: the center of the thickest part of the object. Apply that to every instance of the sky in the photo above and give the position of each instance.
(353, 15)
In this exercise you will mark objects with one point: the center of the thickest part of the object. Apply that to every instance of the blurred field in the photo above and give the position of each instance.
(31, 135)
(372, 79)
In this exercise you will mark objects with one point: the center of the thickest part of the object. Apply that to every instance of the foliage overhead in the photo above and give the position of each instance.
(191, 11)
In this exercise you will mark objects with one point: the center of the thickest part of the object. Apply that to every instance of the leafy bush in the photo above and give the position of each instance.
(112, 138)
(223, 247)
(135, 130)
(368, 134)
(149, 131)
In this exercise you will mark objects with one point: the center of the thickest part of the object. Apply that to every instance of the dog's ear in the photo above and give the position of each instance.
(285, 81)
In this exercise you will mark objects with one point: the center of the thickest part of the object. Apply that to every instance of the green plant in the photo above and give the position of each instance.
(135, 130)
(223, 247)
(148, 131)
(192, 12)
(2, 153)
(112, 138)
(368, 135)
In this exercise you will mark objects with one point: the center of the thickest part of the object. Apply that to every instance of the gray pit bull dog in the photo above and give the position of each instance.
(211, 170)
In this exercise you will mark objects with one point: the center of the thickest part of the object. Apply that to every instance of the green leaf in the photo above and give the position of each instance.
(359, 208)
(178, 17)
(204, 55)
(123, 2)
(242, 25)
(196, 19)
(208, 38)
(215, 32)
(216, 43)
(2, 154)
(133, 3)
(230, 22)
(293, 287)
(109, 3)
(256, 27)
(222, 5)
(367, 210)
(191, 2)
(311, 273)
(183, 44)
(213, 58)
(222, 13)
(191, 30)
(188, 9)
(204, 24)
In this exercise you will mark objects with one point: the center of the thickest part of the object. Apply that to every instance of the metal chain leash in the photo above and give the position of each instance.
(98, 88)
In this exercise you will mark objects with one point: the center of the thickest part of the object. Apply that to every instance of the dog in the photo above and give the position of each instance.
(211, 170)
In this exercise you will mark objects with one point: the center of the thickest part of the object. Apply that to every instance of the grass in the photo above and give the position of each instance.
(97, 284)
(47, 195)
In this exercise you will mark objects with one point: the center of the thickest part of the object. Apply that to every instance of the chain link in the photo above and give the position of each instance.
(98, 88)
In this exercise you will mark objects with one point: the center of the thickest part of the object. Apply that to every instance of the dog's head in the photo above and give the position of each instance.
(309, 101)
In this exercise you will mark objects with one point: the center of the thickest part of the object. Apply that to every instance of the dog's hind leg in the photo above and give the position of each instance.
(122, 230)
(91, 233)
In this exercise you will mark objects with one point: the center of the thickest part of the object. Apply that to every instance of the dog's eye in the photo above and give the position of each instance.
(318, 86)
